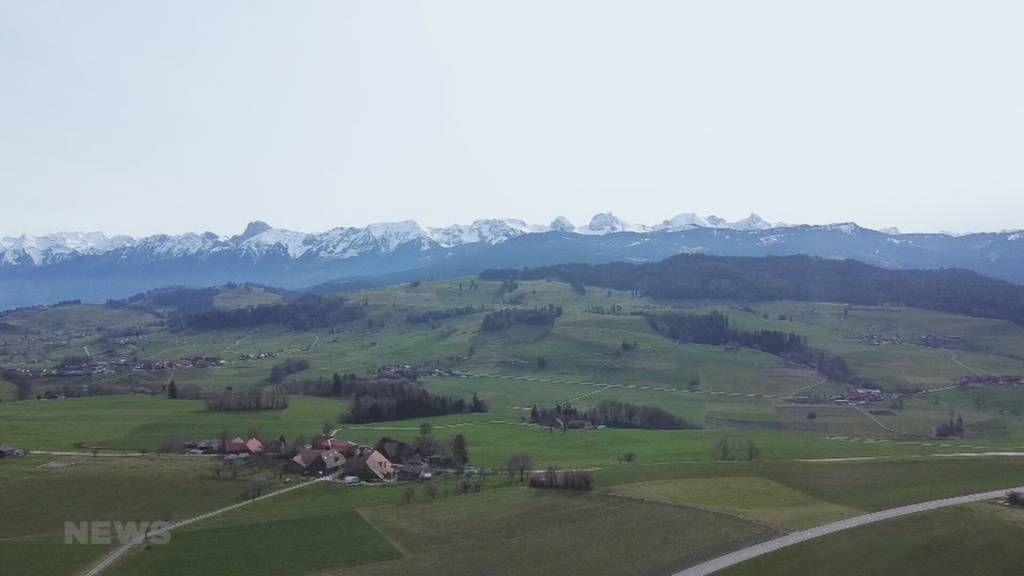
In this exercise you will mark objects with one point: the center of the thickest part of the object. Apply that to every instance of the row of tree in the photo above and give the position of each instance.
(505, 319)
(563, 480)
(610, 413)
(266, 398)
(436, 315)
(400, 401)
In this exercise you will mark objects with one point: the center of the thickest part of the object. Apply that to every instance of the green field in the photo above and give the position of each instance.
(975, 539)
(41, 493)
(676, 491)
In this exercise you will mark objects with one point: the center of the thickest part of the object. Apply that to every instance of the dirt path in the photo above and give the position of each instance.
(756, 550)
(952, 354)
(237, 342)
(121, 550)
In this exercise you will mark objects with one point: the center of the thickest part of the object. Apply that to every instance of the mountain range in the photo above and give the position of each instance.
(94, 267)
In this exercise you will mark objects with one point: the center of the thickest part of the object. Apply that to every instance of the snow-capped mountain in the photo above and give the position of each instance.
(260, 239)
(93, 266)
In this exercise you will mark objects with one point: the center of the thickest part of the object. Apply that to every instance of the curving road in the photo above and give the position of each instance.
(732, 558)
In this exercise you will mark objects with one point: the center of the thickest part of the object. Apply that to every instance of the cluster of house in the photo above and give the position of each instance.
(386, 461)
(257, 356)
(861, 396)
(99, 367)
(879, 340)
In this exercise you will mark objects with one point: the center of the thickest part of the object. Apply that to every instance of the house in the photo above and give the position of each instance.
(346, 447)
(235, 446)
(315, 462)
(7, 451)
(397, 452)
(254, 446)
(370, 466)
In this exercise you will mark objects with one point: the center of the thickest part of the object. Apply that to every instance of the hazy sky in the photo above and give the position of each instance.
(143, 117)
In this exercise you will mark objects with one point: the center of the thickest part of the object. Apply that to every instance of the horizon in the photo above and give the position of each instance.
(774, 225)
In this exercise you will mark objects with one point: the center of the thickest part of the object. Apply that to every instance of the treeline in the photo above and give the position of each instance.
(714, 328)
(401, 401)
(610, 413)
(436, 315)
(505, 319)
(268, 398)
(304, 313)
(282, 370)
(803, 278)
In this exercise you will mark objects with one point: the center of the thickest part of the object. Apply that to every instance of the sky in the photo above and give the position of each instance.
(166, 117)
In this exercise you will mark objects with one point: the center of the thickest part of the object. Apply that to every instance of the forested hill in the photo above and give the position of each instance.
(806, 278)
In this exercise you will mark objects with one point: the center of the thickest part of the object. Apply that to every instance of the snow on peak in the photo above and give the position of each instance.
(752, 222)
(608, 223)
(490, 231)
(687, 221)
(255, 227)
(561, 224)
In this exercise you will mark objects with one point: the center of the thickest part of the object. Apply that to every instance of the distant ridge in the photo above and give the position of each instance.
(94, 267)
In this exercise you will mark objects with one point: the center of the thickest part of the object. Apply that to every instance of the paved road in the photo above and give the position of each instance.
(738, 556)
(120, 551)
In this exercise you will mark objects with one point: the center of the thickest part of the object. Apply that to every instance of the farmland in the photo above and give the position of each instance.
(798, 473)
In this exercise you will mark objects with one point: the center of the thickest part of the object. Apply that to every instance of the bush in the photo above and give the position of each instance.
(567, 480)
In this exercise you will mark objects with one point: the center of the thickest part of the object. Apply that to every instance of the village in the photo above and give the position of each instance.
(388, 460)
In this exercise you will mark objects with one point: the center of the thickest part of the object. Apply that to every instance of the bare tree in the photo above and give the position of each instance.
(520, 462)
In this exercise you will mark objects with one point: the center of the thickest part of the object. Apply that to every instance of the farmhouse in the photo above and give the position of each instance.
(397, 452)
(315, 462)
(254, 446)
(324, 442)
(370, 466)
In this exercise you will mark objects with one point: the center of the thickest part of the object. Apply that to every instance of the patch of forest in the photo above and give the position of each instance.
(385, 398)
(303, 313)
(509, 317)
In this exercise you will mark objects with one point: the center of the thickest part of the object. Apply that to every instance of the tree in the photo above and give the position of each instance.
(521, 463)
(259, 484)
(172, 391)
(425, 444)
(460, 452)
(430, 489)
